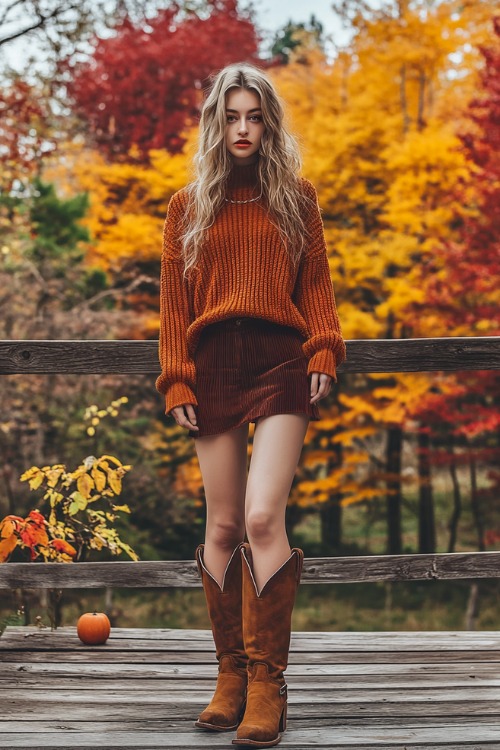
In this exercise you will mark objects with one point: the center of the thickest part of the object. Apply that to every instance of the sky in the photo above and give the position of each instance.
(275, 14)
(270, 16)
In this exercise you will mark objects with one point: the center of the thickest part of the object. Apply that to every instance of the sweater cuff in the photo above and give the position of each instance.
(177, 395)
(323, 361)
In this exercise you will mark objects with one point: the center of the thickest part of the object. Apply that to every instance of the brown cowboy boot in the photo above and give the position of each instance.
(226, 708)
(267, 620)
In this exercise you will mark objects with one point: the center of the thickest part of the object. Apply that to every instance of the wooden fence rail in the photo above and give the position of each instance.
(135, 357)
(171, 573)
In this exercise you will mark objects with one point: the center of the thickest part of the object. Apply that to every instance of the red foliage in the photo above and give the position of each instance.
(30, 531)
(21, 114)
(143, 85)
(472, 264)
(465, 296)
(491, 537)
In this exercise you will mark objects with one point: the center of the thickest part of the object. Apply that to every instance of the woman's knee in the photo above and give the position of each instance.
(225, 533)
(261, 525)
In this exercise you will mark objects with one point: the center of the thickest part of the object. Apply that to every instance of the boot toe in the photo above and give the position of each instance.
(255, 732)
(217, 720)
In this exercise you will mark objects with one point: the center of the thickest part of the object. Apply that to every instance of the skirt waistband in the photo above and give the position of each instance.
(247, 323)
(243, 322)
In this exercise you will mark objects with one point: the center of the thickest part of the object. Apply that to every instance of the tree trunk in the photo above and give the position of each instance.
(393, 463)
(421, 100)
(474, 499)
(331, 525)
(457, 499)
(426, 524)
(293, 516)
(402, 98)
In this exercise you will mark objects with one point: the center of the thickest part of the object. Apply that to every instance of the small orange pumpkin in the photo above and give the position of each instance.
(93, 628)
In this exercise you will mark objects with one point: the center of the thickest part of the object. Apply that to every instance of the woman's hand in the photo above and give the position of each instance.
(320, 386)
(179, 414)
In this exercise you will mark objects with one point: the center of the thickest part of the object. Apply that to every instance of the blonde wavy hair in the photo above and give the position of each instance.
(278, 165)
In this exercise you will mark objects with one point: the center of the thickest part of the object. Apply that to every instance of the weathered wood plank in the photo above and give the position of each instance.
(182, 646)
(49, 724)
(363, 355)
(83, 710)
(172, 573)
(154, 634)
(423, 738)
(207, 657)
(64, 639)
(41, 671)
(327, 694)
(295, 684)
(129, 638)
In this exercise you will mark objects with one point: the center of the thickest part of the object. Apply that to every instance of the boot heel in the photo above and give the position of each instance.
(283, 719)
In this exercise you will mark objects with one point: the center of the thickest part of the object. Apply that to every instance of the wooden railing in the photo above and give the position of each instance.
(363, 355)
(171, 573)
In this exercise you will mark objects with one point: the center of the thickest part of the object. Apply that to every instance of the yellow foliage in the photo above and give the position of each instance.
(128, 201)
(188, 480)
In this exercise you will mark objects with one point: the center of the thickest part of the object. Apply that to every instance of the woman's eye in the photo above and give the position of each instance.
(232, 118)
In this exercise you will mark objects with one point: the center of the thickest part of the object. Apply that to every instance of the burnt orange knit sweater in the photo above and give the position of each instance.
(243, 271)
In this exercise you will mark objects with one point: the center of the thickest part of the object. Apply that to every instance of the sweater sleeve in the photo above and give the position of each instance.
(314, 297)
(178, 373)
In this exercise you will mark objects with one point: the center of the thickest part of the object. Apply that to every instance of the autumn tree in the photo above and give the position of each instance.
(379, 144)
(24, 133)
(144, 85)
(461, 295)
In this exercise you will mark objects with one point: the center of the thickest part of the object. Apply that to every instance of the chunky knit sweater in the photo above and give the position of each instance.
(243, 271)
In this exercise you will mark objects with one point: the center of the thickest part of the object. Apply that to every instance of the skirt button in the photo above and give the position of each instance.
(238, 321)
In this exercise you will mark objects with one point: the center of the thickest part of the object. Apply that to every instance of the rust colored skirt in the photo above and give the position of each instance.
(248, 368)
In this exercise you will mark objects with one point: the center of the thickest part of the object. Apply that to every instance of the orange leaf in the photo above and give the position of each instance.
(61, 545)
(32, 535)
(6, 547)
(10, 524)
(36, 517)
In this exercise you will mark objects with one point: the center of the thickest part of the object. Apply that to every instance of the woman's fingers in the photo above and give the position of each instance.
(314, 384)
(320, 386)
(191, 416)
(185, 416)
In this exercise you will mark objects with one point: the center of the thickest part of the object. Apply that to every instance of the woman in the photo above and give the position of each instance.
(249, 332)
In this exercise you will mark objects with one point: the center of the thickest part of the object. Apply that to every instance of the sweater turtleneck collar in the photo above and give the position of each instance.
(244, 176)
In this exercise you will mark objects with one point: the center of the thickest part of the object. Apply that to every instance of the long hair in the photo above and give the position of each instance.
(278, 165)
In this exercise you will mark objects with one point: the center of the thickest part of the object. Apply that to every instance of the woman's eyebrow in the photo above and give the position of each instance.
(256, 109)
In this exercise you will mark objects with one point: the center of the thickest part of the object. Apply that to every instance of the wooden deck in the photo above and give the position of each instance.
(144, 688)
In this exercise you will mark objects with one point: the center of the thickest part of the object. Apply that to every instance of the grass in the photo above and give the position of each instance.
(408, 606)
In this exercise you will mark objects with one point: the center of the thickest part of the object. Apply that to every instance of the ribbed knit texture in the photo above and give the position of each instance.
(243, 270)
(254, 368)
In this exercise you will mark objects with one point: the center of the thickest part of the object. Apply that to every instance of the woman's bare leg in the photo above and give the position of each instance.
(277, 445)
(223, 464)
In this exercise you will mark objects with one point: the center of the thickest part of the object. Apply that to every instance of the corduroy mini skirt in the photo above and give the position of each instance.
(248, 368)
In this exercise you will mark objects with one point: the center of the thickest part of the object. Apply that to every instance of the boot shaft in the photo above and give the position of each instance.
(224, 604)
(267, 614)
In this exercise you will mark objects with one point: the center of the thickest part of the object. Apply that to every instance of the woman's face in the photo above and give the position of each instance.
(243, 123)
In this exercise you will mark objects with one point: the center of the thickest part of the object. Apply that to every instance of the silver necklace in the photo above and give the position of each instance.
(249, 200)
